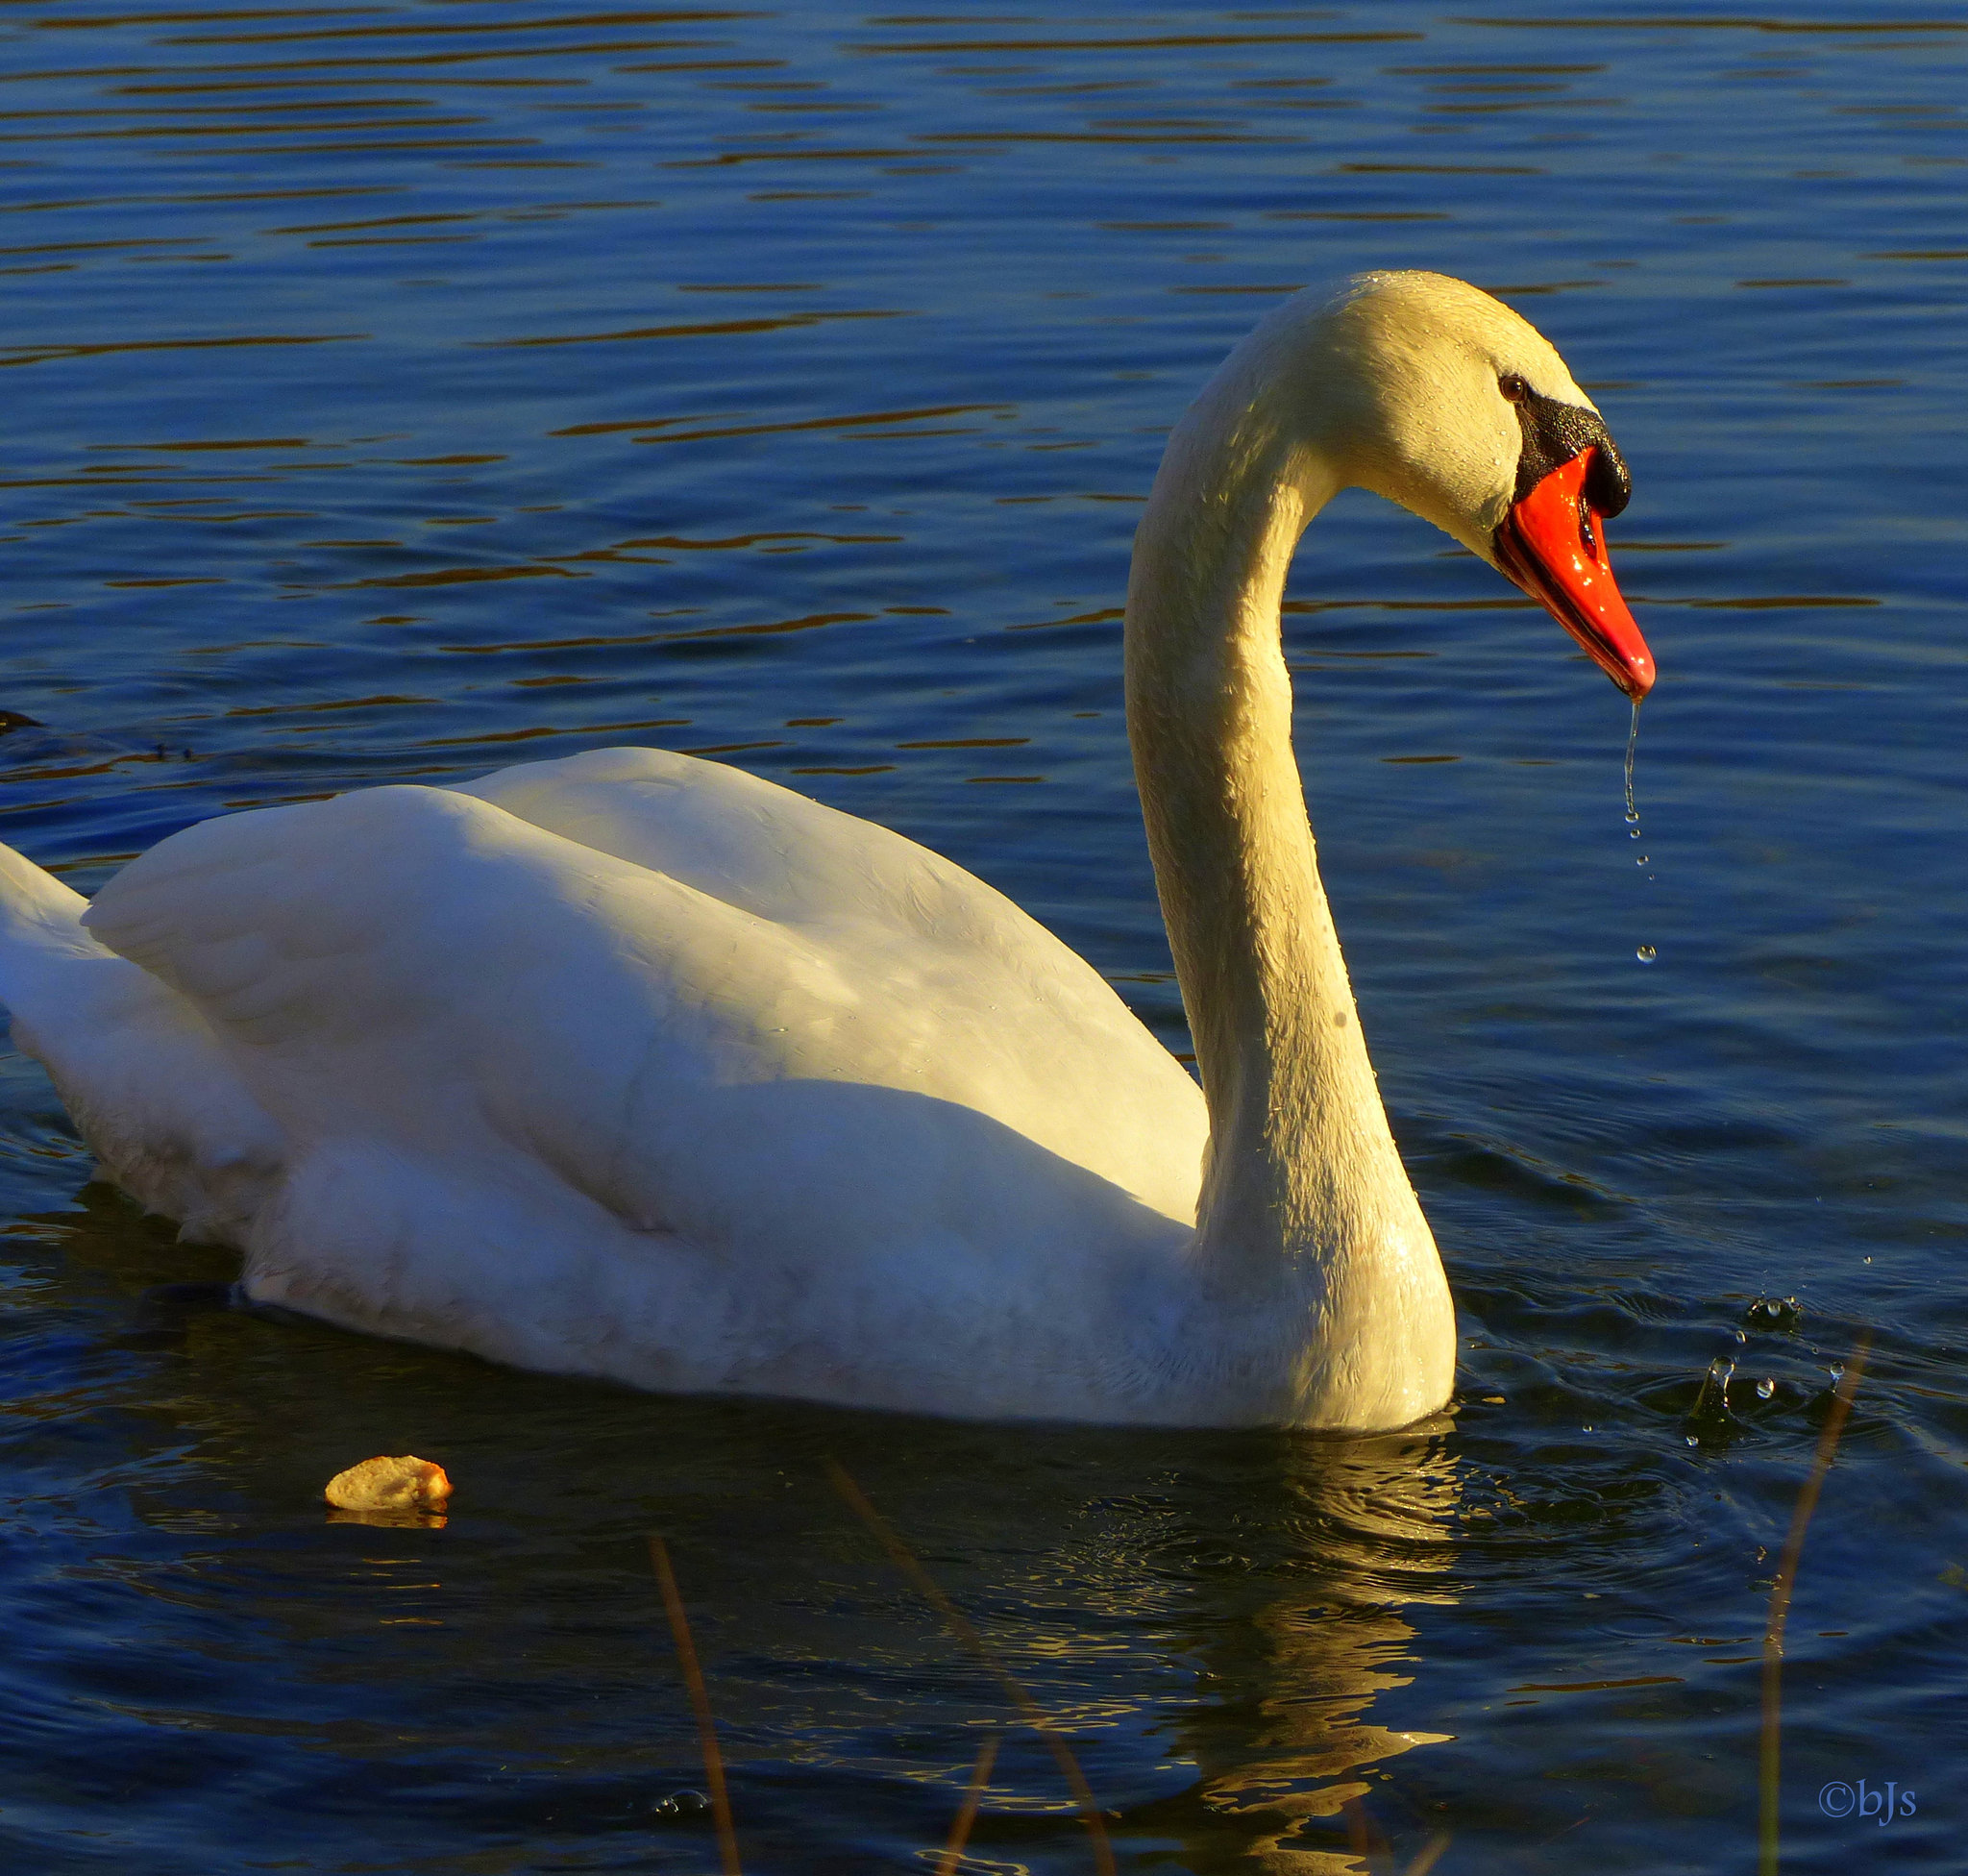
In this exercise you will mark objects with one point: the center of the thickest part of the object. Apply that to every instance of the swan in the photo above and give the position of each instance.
(636, 1066)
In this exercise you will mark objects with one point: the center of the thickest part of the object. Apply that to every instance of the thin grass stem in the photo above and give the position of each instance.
(960, 1625)
(700, 1704)
(973, 1796)
(1770, 1757)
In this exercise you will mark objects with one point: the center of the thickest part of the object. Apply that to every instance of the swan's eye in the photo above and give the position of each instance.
(1514, 388)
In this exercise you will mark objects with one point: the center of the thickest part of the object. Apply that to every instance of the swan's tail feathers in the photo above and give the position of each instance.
(37, 910)
(44, 953)
(140, 1070)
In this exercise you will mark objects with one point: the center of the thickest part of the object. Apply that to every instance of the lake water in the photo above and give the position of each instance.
(404, 389)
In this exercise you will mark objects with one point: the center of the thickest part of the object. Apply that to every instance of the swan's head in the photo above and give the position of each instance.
(1431, 393)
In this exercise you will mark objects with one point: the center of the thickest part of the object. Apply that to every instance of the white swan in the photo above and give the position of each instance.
(637, 1065)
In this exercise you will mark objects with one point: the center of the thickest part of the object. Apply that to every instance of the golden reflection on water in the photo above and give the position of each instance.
(1301, 1670)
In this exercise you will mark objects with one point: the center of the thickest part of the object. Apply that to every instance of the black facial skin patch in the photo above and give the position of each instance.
(1555, 433)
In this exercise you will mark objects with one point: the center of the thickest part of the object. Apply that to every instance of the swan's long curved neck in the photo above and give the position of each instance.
(1304, 1195)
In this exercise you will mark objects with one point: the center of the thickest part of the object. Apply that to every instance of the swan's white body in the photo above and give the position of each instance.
(636, 1066)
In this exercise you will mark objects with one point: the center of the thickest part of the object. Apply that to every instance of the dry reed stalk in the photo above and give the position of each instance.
(1770, 1756)
(1034, 1715)
(1364, 1836)
(973, 1796)
(700, 1705)
(1431, 1854)
(1366, 1841)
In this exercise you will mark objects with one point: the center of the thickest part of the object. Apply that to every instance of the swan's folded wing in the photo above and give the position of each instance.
(421, 967)
(417, 923)
(316, 922)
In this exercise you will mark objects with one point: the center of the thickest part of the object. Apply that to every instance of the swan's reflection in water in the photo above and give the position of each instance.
(1222, 1622)
(1299, 1650)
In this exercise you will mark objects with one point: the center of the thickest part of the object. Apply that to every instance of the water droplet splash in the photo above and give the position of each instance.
(681, 1804)
(1709, 1417)
(1646, 953)
(1773, 1313)
(1765, 1389)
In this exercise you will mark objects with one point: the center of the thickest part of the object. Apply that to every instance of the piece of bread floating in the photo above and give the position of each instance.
(406, 1484)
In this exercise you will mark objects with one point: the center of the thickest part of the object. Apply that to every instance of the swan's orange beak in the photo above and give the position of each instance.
(1553, 544)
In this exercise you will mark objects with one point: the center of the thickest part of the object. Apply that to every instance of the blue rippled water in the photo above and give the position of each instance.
(401, 389)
